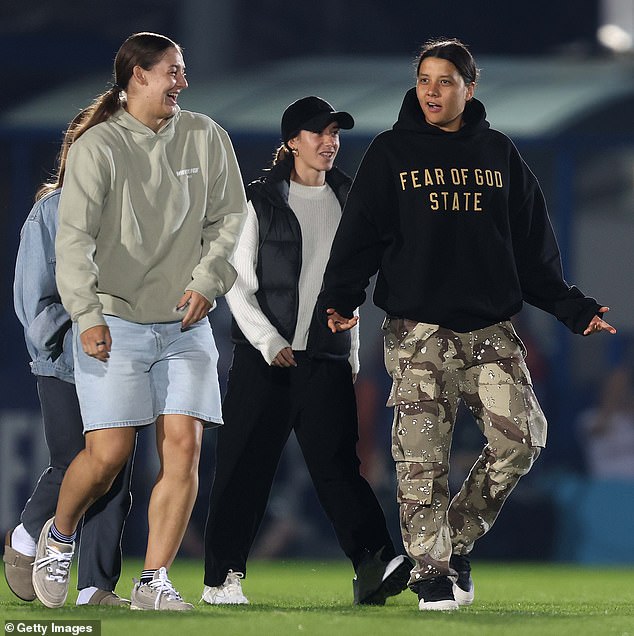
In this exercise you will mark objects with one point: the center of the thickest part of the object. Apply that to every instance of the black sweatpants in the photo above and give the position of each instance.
(263, 404)
(99, 562)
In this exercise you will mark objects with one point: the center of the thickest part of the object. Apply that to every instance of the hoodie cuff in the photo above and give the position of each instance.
(90, 319)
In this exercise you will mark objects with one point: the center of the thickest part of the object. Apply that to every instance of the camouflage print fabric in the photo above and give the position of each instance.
(432, 369)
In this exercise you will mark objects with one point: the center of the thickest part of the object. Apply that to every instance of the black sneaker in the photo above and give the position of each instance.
(376, 580)
(436, 594)
(463, 589)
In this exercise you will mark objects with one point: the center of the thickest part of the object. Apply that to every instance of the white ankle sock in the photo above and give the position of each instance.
(23, 542)
(85, 595)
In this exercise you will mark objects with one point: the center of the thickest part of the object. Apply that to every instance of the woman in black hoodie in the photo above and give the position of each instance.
(454, 222)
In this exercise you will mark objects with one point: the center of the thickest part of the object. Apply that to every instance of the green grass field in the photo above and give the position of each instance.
(289, 597)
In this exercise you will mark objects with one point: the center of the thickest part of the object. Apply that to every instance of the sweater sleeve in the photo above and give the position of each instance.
(86, 185)
(538, 257)
(226, 209)
(359, 242)
(241, 297)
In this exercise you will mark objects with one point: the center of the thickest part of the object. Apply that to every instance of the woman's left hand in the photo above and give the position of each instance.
(196, 307)
(598, 324)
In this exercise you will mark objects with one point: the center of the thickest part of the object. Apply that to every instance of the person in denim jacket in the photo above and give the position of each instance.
(49, 342)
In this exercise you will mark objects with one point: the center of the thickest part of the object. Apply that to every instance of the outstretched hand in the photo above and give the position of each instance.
(337, 322)
(598, 324)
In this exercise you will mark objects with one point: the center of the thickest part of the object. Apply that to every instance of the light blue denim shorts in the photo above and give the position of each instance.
(152, 370)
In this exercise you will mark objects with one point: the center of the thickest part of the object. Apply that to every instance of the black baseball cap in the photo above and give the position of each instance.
(314, 114)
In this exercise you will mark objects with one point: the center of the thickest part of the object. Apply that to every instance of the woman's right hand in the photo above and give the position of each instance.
(96, 342)
(284, 358)
(337, 322)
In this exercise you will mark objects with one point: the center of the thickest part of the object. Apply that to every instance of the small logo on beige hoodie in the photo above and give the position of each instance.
(187, 172)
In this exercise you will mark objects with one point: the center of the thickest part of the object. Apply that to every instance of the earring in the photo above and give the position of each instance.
(295, 152)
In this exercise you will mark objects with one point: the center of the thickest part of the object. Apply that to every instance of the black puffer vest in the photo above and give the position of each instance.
(280, 261)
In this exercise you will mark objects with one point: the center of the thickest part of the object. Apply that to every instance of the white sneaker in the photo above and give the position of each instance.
(51, 568)
(463, 589)
(158, 594)
(436, 594)
(229, 593)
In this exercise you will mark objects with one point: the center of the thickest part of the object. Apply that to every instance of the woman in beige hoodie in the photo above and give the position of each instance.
(151, 208)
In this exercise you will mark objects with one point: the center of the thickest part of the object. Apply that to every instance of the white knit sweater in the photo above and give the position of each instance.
(318, 213)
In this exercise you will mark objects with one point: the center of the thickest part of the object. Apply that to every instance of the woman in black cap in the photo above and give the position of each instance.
(288, 371)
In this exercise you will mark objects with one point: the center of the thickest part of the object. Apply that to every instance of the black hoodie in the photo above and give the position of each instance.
(456, 225)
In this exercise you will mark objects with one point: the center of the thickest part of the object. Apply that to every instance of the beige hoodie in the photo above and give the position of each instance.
(144, 216)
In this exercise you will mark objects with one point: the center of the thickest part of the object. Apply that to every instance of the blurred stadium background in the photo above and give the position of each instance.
(557, 77)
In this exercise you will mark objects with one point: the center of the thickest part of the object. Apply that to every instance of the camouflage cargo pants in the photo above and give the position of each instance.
(432, 369)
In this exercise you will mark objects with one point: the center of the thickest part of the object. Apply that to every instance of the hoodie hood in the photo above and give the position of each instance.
(411, 118)
(123, 118)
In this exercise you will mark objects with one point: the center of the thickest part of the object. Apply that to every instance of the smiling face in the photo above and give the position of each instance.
(442, 93)
(153, 99)
(316, 152)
